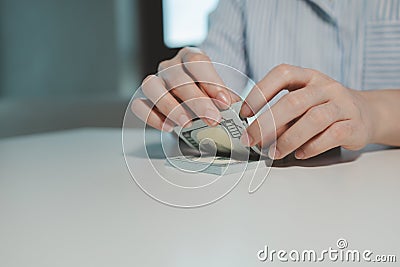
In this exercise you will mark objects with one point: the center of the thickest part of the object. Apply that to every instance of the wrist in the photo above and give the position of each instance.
(373, 114)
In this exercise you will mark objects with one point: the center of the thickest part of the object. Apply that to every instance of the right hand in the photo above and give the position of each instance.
(179, 80)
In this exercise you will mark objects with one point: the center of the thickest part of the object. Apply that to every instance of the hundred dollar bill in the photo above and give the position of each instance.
(226, 135)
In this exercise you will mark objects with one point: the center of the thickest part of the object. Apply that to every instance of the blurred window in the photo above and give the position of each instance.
(185, 22)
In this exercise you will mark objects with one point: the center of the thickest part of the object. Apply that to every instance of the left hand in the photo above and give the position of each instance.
(316, 115)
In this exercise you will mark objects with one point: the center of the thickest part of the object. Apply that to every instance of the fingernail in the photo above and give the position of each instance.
(166, 127)
(273, 152)
(245, 111)
(299, 154)
(222, 96)
(184, 121)
(246, 139)
(213, 116)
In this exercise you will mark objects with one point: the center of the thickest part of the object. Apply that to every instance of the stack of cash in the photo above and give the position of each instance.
(218, 165)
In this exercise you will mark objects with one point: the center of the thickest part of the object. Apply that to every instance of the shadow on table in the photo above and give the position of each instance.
(157, 151)
(152, 151)
(332, 157)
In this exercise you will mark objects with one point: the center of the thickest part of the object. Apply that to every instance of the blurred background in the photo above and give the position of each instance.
(76, 63)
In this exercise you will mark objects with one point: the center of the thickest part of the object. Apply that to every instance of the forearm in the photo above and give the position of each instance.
(384, 109)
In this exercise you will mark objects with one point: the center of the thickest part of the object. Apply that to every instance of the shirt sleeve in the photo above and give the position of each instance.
(225, 43)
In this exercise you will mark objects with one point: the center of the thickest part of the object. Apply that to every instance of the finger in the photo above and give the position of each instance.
(336, 135)
(183, 86)
(281, 130)
(142, 108)
(154, 89)
(265, 148)
(288, 108)
(295, 104)
(201, 69)
(261, 131)
(281, 77)
(313, 122)
(235, 97)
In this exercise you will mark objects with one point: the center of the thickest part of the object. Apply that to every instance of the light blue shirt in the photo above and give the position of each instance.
(356, 42)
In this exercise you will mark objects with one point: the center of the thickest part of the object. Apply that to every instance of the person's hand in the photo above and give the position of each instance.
(316, 115)
(190, 78)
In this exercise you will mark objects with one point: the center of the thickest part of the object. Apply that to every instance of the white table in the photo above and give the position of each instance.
(67, 199)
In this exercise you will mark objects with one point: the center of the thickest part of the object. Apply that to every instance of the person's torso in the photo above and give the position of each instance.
(356, 42)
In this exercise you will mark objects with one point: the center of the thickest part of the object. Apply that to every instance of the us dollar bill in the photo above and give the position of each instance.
(226, 135)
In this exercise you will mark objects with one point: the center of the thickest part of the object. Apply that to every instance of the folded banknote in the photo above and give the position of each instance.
(226, 135)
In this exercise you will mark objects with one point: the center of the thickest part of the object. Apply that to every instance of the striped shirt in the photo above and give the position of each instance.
(356, 42)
